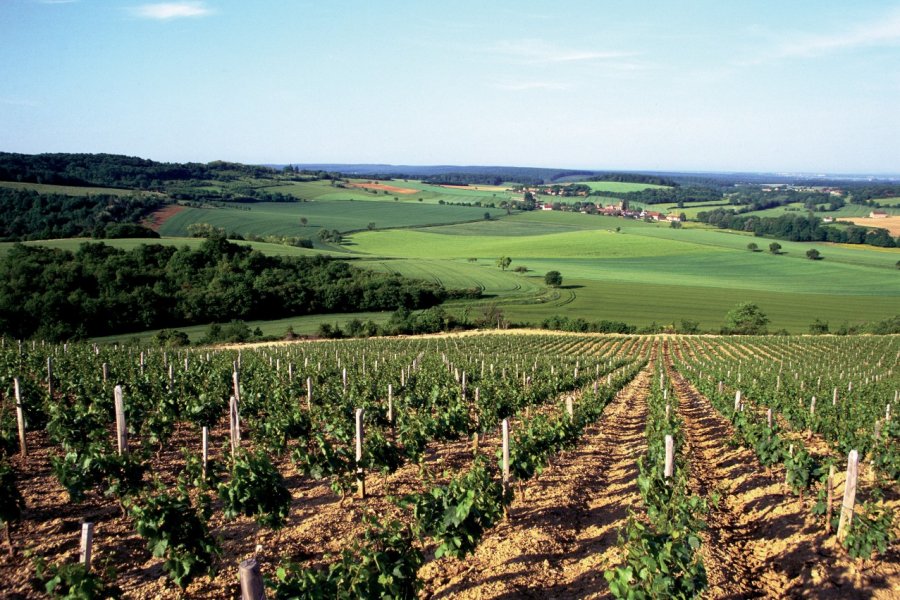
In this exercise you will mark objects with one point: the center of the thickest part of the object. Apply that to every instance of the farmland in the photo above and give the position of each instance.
(580, 409)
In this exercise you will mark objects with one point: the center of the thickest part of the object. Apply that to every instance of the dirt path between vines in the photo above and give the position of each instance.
(562, 531)
(761, 540)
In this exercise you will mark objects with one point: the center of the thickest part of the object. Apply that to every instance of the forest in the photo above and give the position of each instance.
(30, 215)
(99, 290)
(797, 228)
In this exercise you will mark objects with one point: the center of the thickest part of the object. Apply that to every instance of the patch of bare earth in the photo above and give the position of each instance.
(563, 524)
(761, 540)
(157, 218)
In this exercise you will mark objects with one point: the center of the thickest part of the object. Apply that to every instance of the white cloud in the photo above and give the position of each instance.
(164, 11)
(884, 32)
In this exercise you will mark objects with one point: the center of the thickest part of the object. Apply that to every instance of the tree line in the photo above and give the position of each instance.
(100, 290)
(30, 215)
(797, 228)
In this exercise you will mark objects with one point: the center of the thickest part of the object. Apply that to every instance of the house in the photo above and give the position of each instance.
(673, 218)
(828, 219)
(546, 206)
(878, 214)
(652, 214)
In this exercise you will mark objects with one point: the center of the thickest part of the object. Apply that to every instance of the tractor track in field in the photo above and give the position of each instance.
(563, 529)
(761, 541)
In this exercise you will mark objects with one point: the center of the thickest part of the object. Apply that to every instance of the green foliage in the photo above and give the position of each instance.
(71, 581)
(320, 458)
(553, 278)
(657, 564)
(102, 290)
(775, 248)
(256, 489)
(746, 319)
(457, 514)
(503, 262)
(177, 531)
(383, 565)
(813, 254)
(11, 501)
(872, 530)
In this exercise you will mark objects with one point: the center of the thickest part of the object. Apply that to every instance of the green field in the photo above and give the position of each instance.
(619, 187)
(283, 218)
(72, 244)
(644, 273)
(68, 190)
(425, 193)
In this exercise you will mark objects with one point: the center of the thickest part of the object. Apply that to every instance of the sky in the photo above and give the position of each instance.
(786, 86)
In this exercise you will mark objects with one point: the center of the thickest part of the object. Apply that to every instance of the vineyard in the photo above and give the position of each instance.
(482, 466)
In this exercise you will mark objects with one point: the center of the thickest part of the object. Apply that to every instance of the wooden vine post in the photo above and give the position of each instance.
(505, 455)
(737, 401)
(830, 502)
(234, 420)
(849, 495)
(360, 474)
(121, 432)
(669, 467)
(205, 446)
(20, 418)
(50, 377)
(252, 587)
(390, 407)
(569, 409)
(309, 394)
(87, 541)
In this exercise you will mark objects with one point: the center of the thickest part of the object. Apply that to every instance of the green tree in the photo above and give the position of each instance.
(675, 224)
(304, 221)
(813, 254)
(752, 247)
(818, 327)
(775, 248)
(503, 262)
(746, 319)
(553, 278)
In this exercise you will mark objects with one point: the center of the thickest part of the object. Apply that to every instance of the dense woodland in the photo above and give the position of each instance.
(100, 290)
(797, 228)
(29, 215)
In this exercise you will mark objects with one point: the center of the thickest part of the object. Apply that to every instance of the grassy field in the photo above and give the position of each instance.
(72, 245)
(283, 218)
(68, 190)
(424, 193)
(644, 273)
(306, 325)
(619, 187)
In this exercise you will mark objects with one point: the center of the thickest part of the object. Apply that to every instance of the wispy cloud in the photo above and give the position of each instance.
(164, 11)
(538, 51)
(883, 32)
(55, 1)
(18, 102)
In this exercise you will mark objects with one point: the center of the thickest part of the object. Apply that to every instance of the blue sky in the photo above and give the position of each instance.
(696, 85)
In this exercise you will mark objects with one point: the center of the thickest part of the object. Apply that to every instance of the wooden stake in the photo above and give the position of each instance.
(849, 495)
(251, 580)
(830, 502)
(87, 541)
(105, 369)
(205, 444)
(121, 432)
(20, 418)
(235, 383)
(390, 414)
(235, 423)
(669, 467)
(569, 408)
(360, 475)
(50, 377)
(737, 400)
(769, 418)
(309, 393)
(505, 458)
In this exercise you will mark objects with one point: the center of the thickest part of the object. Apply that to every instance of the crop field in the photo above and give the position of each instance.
(283, 218)
(644, 273)
(364, 189)
(619, 187)
(336, 464)
(72, 245)
(67, 190)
